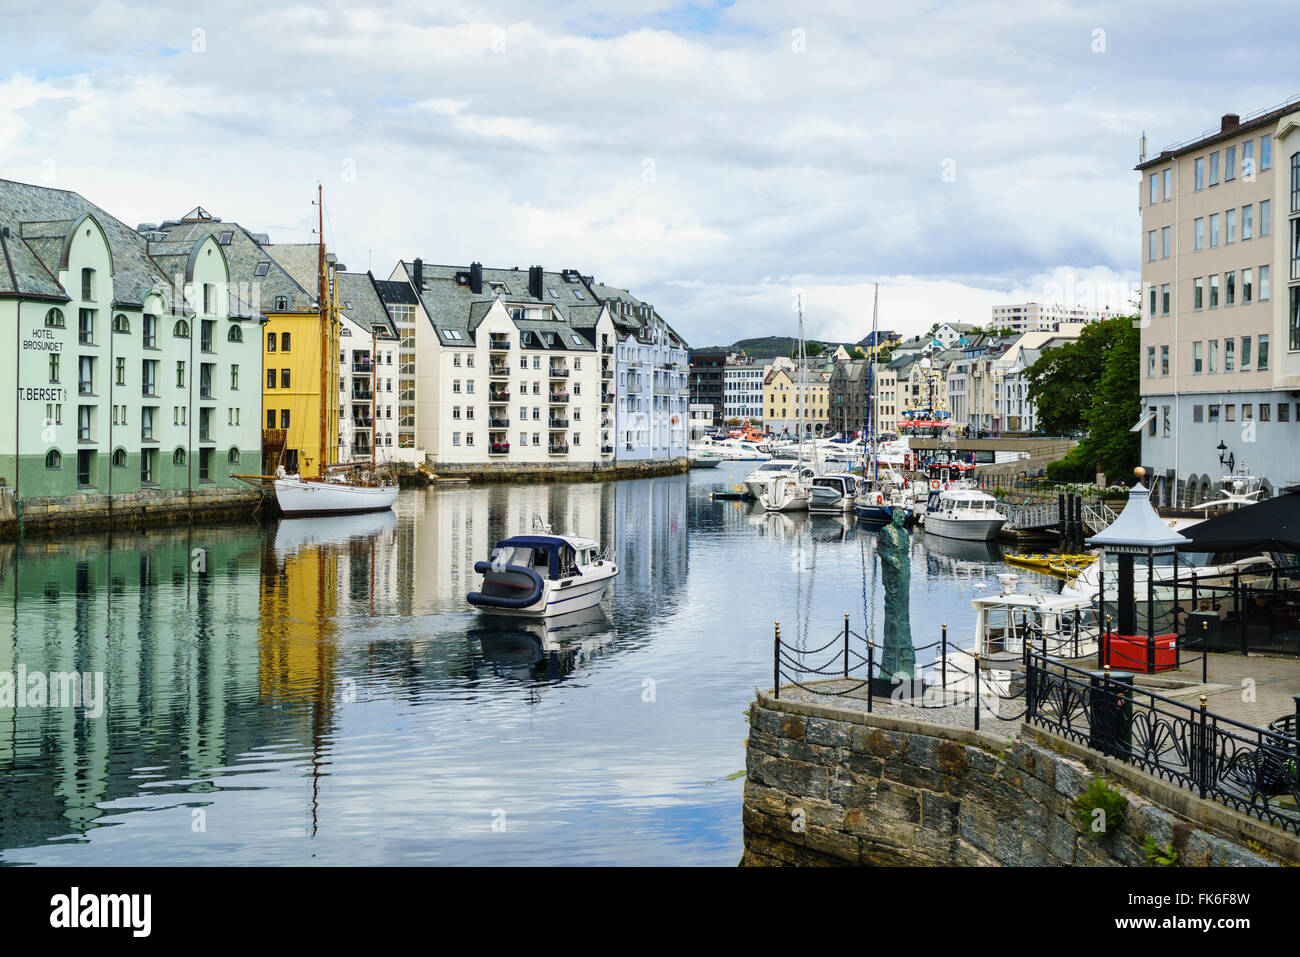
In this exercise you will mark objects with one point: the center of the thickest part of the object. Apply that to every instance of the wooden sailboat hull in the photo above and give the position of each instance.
(300, 498)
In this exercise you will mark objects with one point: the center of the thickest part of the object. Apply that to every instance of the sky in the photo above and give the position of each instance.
(725, 161)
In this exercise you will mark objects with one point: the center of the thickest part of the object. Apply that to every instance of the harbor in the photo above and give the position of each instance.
(298, 688)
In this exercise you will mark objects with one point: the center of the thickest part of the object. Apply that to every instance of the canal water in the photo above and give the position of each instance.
(318, 691)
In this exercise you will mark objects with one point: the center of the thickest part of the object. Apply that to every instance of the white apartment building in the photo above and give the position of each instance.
(1220, 250)
(507, 366)
(742, 392)
(368, 366)
(1043, 316)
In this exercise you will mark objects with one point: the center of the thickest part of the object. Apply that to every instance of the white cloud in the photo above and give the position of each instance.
(510, 133)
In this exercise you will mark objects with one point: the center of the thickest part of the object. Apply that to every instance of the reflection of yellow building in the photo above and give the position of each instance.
(299, 602)
(293, 372)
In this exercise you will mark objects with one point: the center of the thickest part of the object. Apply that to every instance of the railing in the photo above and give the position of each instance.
(498, 423)
(1253, 770)
(1256, 610)
(501, 396)
(557, 373)
(557, 449)
(559, 397)
(498, 448)
(559, 423)
(607, 398)
(499, 370)
(607, 450)
(499, 344)
(361, 366)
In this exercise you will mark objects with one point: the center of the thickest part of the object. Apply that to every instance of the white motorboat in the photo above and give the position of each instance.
(832, 492)
(965, 514)
(542, 575)
(298, 497)
(757, 479)
(784, 493)
(705, 460)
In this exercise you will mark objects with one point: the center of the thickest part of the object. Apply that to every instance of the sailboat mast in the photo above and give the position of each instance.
(872, 401)
(324, 330)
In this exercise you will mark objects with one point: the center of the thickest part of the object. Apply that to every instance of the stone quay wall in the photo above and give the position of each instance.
(560, 471)
(145, 507)
(832, 785)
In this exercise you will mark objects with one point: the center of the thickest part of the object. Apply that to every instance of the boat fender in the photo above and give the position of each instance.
(500, 601)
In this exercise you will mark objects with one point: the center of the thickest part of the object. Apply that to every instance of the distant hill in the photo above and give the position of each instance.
(769, 347)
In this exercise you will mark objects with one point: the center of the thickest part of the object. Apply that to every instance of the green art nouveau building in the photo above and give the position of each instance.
(134, 365)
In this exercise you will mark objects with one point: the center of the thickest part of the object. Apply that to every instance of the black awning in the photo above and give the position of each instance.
(1270, 525)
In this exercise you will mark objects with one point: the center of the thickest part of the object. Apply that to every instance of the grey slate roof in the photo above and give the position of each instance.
(39, 220)
(359, 300)
(243, 254)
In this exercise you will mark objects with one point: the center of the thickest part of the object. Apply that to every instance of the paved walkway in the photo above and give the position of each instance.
(1254, 690)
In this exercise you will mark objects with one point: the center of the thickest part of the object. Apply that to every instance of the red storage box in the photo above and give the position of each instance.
(1129, 652)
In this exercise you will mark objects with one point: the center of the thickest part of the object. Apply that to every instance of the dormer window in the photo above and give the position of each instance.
(261, 269)
(281, 303)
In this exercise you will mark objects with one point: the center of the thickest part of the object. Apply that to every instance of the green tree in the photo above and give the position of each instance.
(1099, 374)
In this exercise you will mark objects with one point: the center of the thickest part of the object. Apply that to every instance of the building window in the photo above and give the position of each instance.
(178, 456)
(1164, 243)
(1213, 364)
(1198, 233)
(1152, 195)
(1261, 361)
(54, 459)
(1266, 151)
(233, 456)
(284, 342)
(234, 378)
(1229, 288)
(1214, 292)
(1197, 360)
(1247, 222)
(284, 378)
(1229, 355)
(54, 319)
(1293, 324)
(1164, 360)
(150, 331)
(1151, 246)
(1198, 292)
(1230, 227)
(1245, 353)
(284, 418)
(1198, 175)
(1214, 168)
(270, 378)
(1164, 299)
(1214, 230)
(1229, 163)
(181, 330)
(88, 285)
(1198, 413)
(86, 326)
(121, 323)
(1167, 177)
(235, 334)
(119, 458)
(1263, 283)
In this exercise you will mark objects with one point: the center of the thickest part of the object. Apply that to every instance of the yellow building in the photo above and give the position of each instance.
(783, 407)
(292, 345)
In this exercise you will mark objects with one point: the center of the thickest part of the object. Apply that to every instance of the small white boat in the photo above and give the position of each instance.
(784, 493)
(756, 480)
(542, 575)
(832, 492)
(705, 460)
(966, 514)
(299, 497)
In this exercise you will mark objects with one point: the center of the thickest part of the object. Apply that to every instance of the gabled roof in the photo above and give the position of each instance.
(359, 300)
(40, 222)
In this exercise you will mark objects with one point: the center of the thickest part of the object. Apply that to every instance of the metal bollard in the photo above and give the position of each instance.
(977, 689)
(871, 673)
(943, 659)
(776, 660)
(846, 644)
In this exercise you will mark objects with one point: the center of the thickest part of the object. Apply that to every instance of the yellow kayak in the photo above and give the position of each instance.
(1031, 560)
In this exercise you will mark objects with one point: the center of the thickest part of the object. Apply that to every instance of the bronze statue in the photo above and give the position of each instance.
(893, 544)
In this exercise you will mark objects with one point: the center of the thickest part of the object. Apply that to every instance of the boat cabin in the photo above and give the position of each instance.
(550, 556)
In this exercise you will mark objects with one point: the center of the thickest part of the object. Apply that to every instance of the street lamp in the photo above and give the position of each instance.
(1226, 458)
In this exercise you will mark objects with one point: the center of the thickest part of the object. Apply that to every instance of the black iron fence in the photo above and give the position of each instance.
(1251, 769)
(1245, 610)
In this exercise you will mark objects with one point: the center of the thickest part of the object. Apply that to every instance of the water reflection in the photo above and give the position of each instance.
(318, 690)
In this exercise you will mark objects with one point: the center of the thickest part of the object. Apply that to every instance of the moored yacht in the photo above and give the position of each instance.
(541, 575)
(966, 514)
(832, 492)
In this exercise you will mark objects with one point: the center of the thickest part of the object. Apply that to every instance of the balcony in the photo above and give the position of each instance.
(498, 448)
(561, 449)
(607, 350)
(633, 388)
(361, 395)
(607, 450)
(499, 370)
(362, 366)
(607, 371)
(607, 398)
(499, 344)
(606, 422)
(499, 423)
(498, 395)
(559, 398)
(559, 372)
(362, 422)
(558, 423)
(634, 363)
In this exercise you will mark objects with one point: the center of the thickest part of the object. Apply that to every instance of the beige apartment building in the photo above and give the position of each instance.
(1220, 340)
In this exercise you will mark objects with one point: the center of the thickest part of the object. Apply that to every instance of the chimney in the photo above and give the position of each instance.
(476, 278)
(1229, 122)
(535, 281)
(417, 274)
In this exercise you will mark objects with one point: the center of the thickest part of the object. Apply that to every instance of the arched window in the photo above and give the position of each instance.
(233, 456)
(178, 456)
(54, 318)
(119, 458)
(53, 459)
(181, 330)
(121, 323)
(235, 334)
